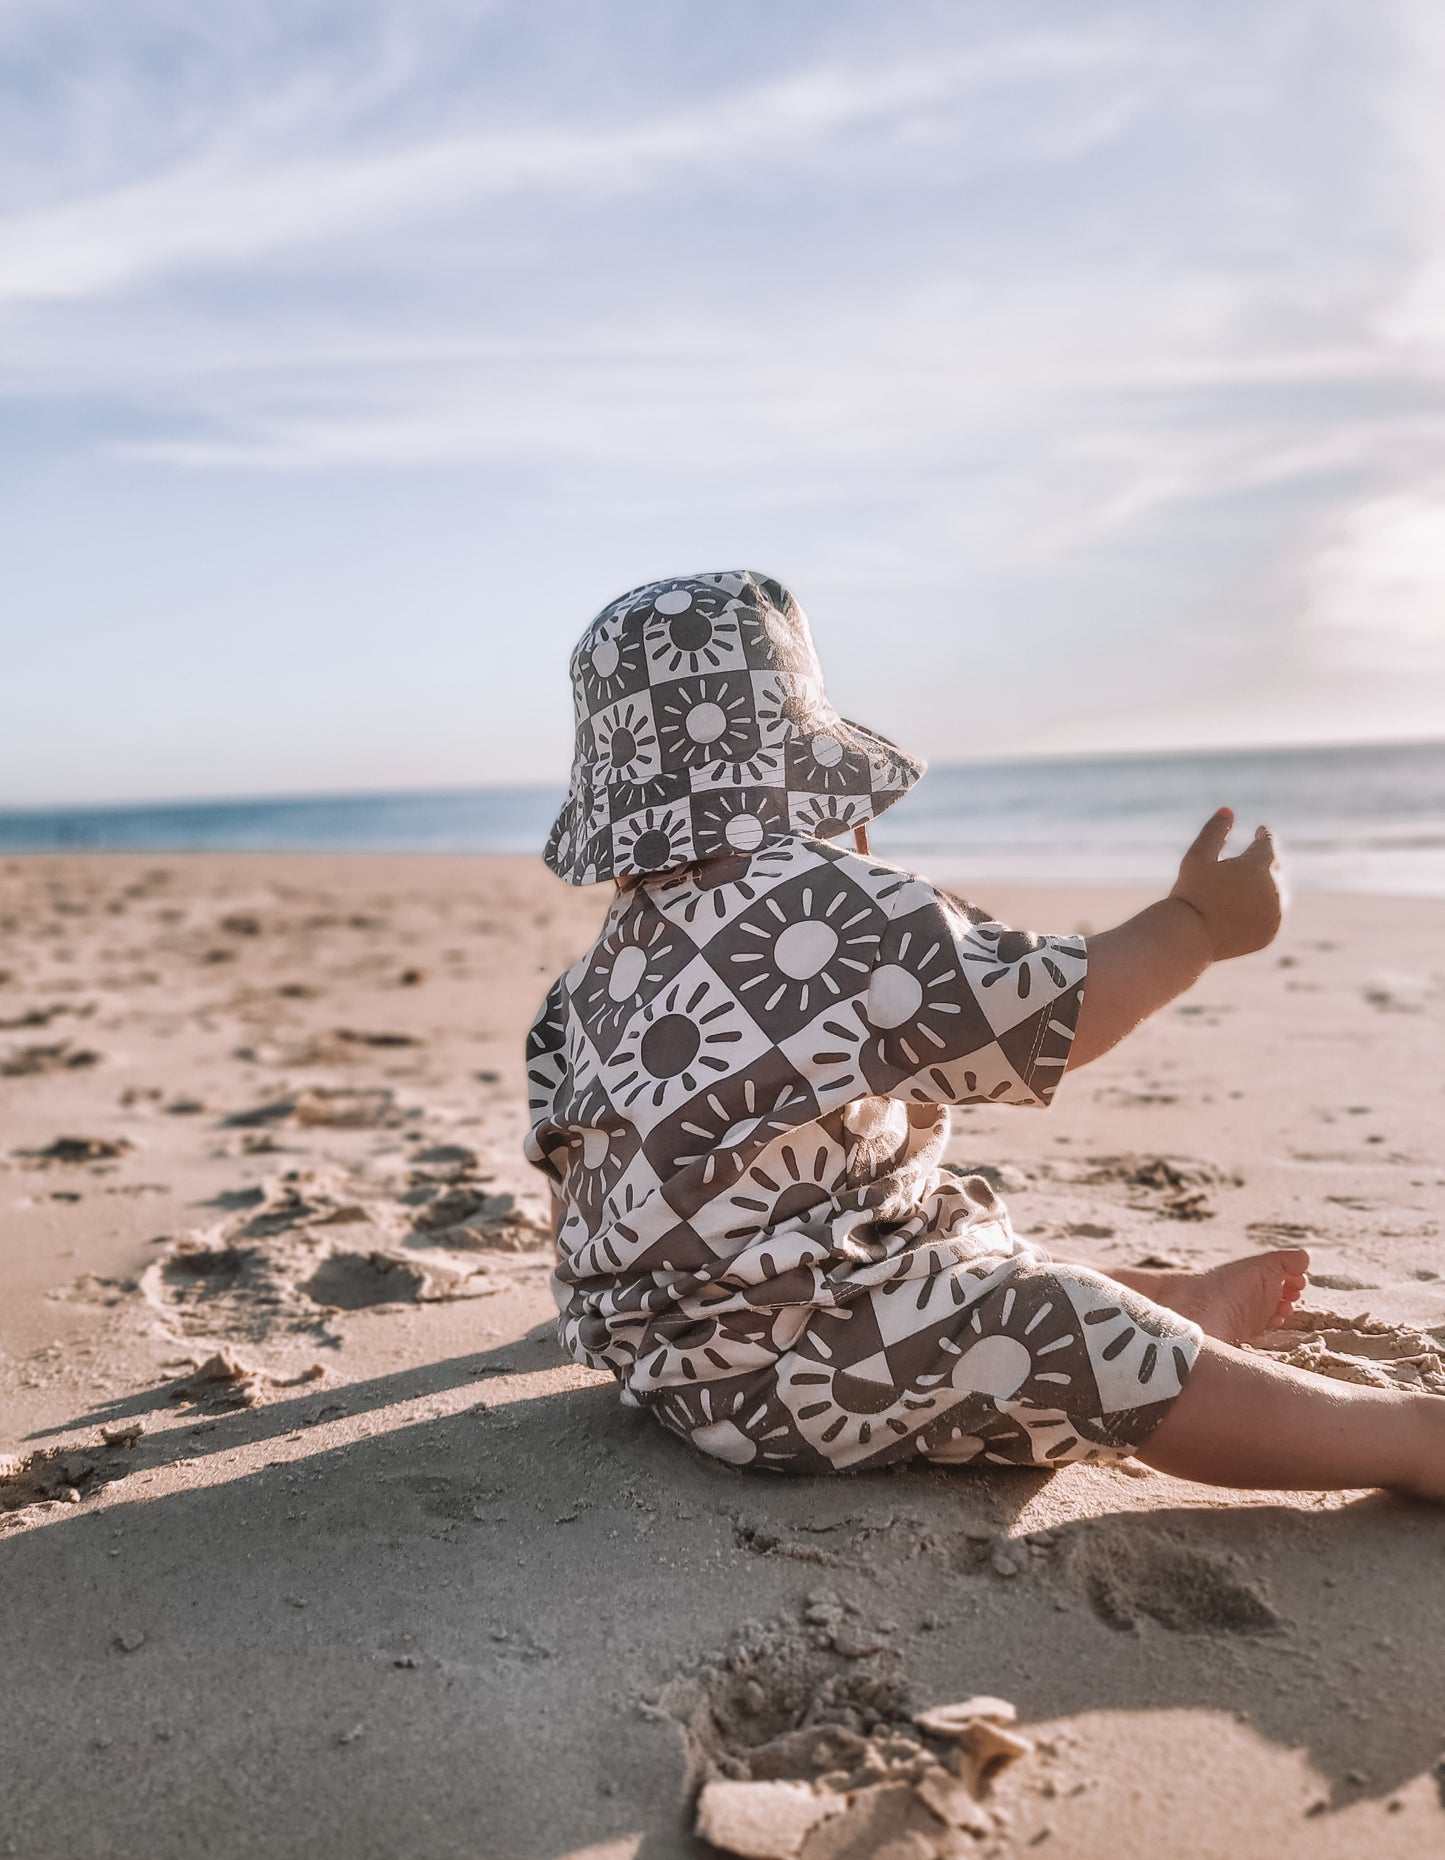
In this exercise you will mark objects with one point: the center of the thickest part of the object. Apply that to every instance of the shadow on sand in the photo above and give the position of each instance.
(440, 1640)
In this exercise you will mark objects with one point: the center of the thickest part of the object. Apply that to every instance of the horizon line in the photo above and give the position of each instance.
(292, 797)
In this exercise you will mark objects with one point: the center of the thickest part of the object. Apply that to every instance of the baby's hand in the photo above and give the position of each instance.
(1238, 898)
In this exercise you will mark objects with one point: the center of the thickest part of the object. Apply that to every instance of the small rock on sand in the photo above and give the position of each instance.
(223, 1367)
(953, 1801)
(319, 1108)
(762, 1820)
(224, 1380)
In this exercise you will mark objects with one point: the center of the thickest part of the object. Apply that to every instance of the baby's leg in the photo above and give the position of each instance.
(1243, 1420)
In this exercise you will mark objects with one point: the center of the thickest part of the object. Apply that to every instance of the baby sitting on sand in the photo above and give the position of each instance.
(740, 1096)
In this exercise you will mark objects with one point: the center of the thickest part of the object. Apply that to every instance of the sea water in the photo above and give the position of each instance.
(1366, 819)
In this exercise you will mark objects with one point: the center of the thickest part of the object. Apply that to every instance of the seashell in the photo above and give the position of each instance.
(762, 1820)
(993, 1748)
(958, 1720)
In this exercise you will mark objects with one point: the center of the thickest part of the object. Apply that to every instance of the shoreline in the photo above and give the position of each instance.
(513, 862)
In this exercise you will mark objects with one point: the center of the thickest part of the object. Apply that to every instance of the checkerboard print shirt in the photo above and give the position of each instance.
(740, 1093)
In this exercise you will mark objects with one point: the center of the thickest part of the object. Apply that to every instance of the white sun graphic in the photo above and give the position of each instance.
(635, 959)
(799, 956)
(608, 663)
(706, 720)
(739, 1425)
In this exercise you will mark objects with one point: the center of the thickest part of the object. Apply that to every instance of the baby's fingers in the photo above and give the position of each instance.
(1209, 841)
(1261, 849)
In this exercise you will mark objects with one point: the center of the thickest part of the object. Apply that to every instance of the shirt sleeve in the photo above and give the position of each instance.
(546, 1070)
(963, 1010)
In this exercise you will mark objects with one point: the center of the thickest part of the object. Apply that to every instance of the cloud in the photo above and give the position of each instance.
(1374, 590)
(249, 192)
(1409, 313)
(1120, 332)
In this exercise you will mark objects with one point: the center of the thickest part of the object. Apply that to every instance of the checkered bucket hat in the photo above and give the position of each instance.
(703, 730)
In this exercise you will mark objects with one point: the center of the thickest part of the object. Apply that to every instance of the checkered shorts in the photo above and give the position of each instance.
(1020, 1360)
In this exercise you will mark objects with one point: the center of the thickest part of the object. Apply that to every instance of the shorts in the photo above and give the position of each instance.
(1013, 1361)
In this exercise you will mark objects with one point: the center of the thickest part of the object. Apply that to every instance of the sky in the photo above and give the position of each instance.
(1080, 366)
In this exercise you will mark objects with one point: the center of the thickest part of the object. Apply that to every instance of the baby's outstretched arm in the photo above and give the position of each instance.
(1218, 908)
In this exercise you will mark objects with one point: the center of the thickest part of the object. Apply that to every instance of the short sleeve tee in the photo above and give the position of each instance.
(741, 1091)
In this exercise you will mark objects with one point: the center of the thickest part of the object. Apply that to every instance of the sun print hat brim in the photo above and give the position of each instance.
(703, 731)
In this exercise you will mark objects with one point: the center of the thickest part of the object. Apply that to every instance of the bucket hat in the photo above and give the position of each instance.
(703, 730)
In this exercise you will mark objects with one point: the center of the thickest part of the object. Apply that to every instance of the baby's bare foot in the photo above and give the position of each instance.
(1234, 1301)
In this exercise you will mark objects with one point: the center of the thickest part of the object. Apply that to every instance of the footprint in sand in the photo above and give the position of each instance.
(42, 1016)
(276, 1266)
(1131, 1573)
(1279, 1231)
(342, 1046)
(328, 1108)
(54, 1475)
(25, 1062)
(1169, 1187)
(71, 1150)
(356, 1281)
(1397, 995)
(801, 1752)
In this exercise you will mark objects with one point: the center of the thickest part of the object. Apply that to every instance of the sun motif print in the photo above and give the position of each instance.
(692, 631)
(638, 952)
(613, 667)
(626, 738)
(737, 820)
(698, 686)
(690, 1033)
(809, 944)
(653, 838)
(704, 721)
(825, 817)
(741, 1095)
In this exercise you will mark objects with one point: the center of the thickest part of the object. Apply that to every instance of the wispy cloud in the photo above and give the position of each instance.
(1119, 324)
(250, 192)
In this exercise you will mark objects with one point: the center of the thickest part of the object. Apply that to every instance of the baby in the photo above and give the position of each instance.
(740, 1096)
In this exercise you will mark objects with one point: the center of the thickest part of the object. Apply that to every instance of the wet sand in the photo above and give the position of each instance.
(312, 1544)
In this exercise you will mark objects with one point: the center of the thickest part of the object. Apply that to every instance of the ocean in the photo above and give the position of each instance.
(1356, 818)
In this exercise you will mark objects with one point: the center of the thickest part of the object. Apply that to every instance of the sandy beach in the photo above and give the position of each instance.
(312, 1544)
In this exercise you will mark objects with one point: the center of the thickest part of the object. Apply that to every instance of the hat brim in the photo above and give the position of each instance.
(670, 829)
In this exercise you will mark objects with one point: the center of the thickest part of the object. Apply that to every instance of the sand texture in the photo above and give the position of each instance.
(311, 1544)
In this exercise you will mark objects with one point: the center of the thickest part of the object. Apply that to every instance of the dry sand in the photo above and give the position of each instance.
(311, 1543)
